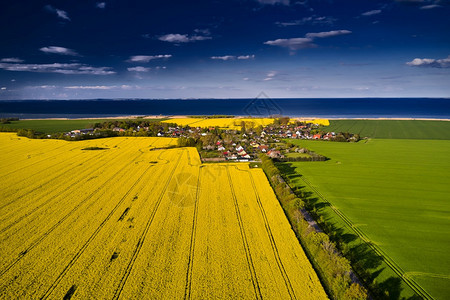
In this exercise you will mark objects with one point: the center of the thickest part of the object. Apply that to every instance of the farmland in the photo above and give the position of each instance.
(55, 126)
(232, 123)
(130, 221)
(393, 129)
(394, 193)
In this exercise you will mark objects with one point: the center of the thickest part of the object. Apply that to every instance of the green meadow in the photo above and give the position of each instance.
(393, 129)
(395, 194)
(55, 126)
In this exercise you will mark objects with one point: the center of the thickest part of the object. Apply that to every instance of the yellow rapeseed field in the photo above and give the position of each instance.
(226, 123)
(129, 222)
(235, 123)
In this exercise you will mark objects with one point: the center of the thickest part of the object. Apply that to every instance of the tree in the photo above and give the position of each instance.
(355, 292)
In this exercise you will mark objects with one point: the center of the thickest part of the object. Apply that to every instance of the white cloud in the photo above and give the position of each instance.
(314, 20)
(203, 31)
(12, 60)
(102, 87)
(307, 41)
(90, 87)
(100, 5)
(231, 57)
(147, 58)
(59, 50)
(431, 6)
(61, 68)
(327, 33)
(46, 87)
(59, 12)
(430, 62)
(273, 2)
(293, 43)
(139, 69)
(270, 75)
(3, 88)
(183, 38)
(246, 56)
(225, 57)
(371, 12)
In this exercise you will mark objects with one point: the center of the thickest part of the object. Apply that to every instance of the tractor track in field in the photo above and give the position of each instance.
(141, 240)
(386, 258)
(51, 229)
(273, 244)
(27, 166)
(244, 240)
(92, 237)
(69, 168)
(187, 290)
(48, 200)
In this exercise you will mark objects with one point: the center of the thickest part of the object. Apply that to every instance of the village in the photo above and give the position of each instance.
(223, 144)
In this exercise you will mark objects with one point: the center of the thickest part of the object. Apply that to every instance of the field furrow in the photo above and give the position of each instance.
(137, 221)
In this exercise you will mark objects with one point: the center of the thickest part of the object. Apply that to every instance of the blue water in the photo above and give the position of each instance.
(325, 108)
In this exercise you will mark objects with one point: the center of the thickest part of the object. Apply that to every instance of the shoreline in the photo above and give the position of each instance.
(239, 117)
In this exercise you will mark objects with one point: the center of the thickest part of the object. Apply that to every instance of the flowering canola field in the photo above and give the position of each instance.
(235, 123)
(226, 123)
(129, 222)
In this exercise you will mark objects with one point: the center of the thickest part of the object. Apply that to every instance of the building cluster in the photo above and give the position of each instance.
(226, 144)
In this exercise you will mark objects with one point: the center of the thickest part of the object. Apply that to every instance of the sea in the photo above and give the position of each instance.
(426, 108)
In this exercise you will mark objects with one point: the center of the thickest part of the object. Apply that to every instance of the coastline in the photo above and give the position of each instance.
(238, 117)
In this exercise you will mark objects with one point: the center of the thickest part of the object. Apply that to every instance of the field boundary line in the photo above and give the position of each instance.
(47, 233)
(187, 290)
(141, 240)
(280, 264)
(92, 237)
(244, 240)
(386, 258)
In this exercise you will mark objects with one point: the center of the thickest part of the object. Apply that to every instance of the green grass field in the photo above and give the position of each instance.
(393, 129)
(396, 192)
(54, 126)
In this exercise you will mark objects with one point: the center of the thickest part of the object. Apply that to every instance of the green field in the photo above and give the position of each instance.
(393, 129)
(396, 193)
(54, 126)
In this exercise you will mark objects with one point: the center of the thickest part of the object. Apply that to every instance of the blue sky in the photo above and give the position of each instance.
(224, 49)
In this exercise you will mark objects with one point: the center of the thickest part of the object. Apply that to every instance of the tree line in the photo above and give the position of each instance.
(332, 267)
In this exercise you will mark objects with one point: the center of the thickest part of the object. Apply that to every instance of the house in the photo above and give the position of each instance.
(274, 154)
(86, 131)
(221, 148)
(317, 136)
(263, 148)
(239, 148)
(118, 129)
(242, 153)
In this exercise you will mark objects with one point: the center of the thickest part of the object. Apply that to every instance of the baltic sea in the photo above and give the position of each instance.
(427, 108)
